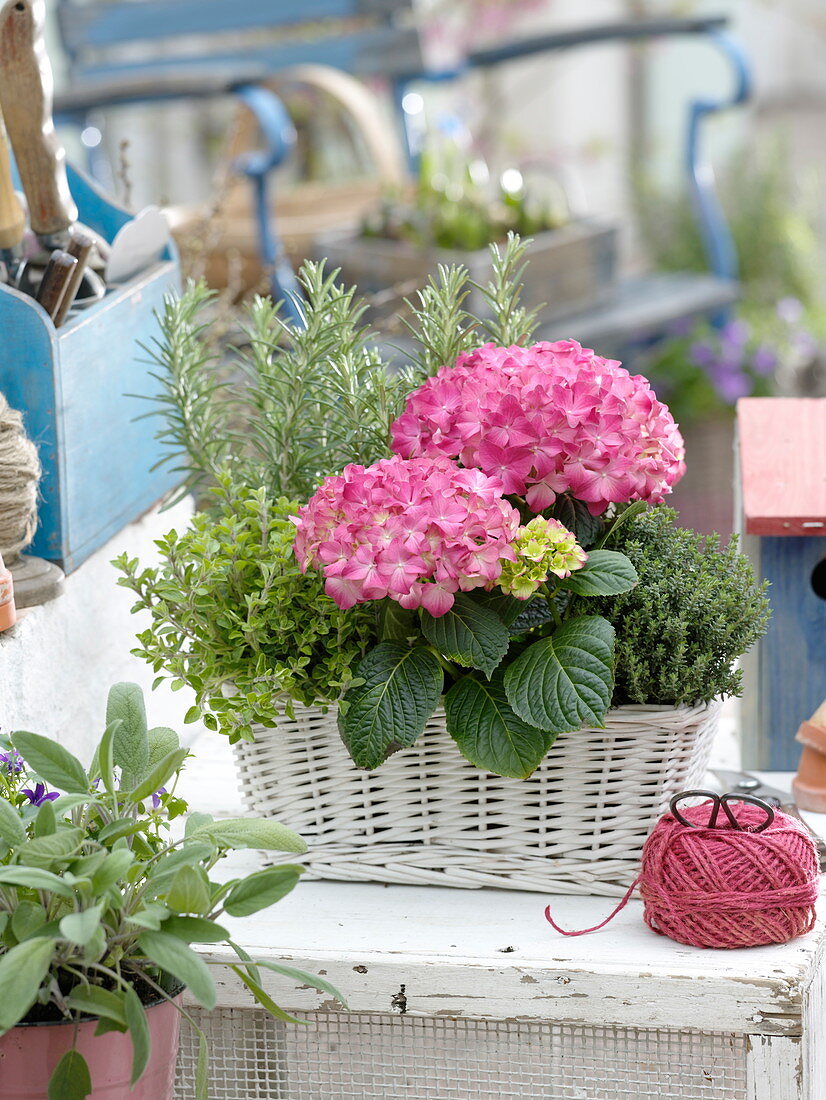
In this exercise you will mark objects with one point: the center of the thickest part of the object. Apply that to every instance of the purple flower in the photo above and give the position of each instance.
(732, 384)
(790, 310)
(156, 797)
(735, 334)
(703, 354)
(38, 796)
(13, 762)
(764, 360)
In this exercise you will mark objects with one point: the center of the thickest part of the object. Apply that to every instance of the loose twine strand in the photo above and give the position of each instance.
(725, 887)
(19, 478)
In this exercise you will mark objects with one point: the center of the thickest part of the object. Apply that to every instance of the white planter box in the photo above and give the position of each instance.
(569, 269)
(427, 816)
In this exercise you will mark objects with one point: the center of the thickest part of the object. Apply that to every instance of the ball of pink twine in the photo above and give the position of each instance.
(727, 887)
(726, 884)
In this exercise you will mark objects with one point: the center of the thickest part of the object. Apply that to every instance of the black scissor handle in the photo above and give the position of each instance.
(722, 802)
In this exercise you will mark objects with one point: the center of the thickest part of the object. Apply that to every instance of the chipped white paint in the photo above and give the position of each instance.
(774, 1069)
(491, 955)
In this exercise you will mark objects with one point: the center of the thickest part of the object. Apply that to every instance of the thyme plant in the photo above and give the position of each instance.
(696, 610)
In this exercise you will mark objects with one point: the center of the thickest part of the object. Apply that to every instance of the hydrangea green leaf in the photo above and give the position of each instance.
(606, 573)
(388, 711)
(470, 634)
(489, 733)
(565, 680)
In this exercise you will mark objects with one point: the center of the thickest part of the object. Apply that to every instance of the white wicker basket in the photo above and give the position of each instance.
(428, 816)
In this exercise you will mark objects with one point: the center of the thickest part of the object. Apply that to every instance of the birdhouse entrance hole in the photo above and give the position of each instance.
(819, 579)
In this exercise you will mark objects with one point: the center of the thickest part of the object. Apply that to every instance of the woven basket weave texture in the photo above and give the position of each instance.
(427, 816)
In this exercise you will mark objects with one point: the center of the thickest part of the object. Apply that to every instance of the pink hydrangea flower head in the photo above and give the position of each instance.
(544, 420)
(414, 530)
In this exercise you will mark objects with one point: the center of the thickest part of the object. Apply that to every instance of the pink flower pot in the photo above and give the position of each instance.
(30, 1052)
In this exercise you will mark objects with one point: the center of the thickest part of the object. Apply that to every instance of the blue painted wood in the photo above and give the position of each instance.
(377, 52)
(793, 653)
(110, 24)
(77, 390)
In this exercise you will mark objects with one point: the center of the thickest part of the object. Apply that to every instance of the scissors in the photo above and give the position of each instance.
(722, 802)
(745, 783)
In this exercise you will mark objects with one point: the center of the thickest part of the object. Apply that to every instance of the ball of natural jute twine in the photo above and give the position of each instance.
(727, 887)
(19, 478)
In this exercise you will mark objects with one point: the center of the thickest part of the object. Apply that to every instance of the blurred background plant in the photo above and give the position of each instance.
(458, 203)
(774, 341)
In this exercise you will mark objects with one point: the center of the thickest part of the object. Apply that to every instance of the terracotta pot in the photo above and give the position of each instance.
(29, 1054)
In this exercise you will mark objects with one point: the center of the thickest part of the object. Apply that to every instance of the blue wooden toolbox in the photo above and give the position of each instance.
(80, 388)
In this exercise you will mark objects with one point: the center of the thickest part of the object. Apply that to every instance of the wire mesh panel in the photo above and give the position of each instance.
(356, 1056)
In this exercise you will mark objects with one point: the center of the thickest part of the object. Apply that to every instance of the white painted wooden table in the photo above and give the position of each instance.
(459, 994)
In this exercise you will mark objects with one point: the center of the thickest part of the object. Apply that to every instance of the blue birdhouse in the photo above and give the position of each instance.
(782, 480)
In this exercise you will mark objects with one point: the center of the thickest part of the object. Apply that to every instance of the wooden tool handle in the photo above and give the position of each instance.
(55, 280)
(12, 218)
(80, 247)
(26, 99)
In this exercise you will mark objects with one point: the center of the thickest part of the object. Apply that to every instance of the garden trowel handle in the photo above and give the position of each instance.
(12, 218)
(26, 101)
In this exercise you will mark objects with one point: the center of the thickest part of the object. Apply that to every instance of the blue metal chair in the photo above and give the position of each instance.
(375, 38)
(142, 52)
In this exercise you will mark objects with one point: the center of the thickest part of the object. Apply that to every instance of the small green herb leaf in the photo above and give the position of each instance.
(80, 928)
(11, 826)
(22, 970)
(470, 634)
(489, 733)
(35, 879)
(194, 929)
(188, 892)
(93, 1000)
(44, 851)
(302, 978)
(567, 679)
(51, 762)
(250, 832)
(159, 775)
(170, 954)
(162, 742)
(139, 1034)
(388, 711)
(71, 1079)
(264, 888)
(27, 919)
(131, 744)
(264, 999)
